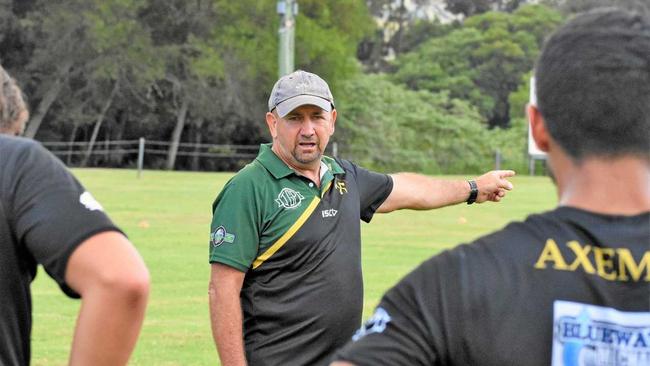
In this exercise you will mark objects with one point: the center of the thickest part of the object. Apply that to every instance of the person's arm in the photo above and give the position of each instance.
(419, 192)
(341, 363)
(226, 314)
(113, 282)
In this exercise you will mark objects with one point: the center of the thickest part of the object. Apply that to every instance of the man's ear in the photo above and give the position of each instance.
(538, 127)
(333, 120)
(271, 122)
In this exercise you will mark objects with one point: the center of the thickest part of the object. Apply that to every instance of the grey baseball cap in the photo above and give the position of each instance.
(300, 88)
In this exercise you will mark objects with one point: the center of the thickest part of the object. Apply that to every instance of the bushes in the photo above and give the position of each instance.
(386, 127)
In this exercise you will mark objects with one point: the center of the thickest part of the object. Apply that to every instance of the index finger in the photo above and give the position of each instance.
(505, 173)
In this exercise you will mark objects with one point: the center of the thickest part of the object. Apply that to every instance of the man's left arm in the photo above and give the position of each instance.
(420, 192)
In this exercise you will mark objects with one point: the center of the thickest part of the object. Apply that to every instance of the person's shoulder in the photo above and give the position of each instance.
(533, 228)
(247, 183)
(488, 258)
(10, 145)
(251, 173)
(343, 163)
(347, 166)
(516, 241)
(250, 178)
(16, 151)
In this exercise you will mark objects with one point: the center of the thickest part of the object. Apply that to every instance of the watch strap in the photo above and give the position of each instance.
(473, 193)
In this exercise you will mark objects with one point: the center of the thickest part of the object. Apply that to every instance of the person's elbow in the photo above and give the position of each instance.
(107, 266)
(130, 286)
(135, 287)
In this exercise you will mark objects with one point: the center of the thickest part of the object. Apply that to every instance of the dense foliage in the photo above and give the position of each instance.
(200, 71)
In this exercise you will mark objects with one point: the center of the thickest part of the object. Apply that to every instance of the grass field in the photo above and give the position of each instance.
(167, 216)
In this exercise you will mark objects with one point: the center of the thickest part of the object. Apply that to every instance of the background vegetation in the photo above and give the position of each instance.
(412, 93)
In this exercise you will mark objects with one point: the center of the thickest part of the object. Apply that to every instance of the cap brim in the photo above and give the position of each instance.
(292, 103)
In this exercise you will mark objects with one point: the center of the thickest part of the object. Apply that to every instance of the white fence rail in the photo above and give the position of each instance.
(153, 147)
(72, 152)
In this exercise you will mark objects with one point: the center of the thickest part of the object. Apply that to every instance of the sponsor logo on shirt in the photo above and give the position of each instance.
(612, 264)
(329, 213)
(90, 202)
(376, 324)
(589, 335)
(340, 186)
(220, 236)
(288, 198)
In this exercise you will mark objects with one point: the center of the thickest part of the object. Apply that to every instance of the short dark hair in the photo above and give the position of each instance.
(593, 84)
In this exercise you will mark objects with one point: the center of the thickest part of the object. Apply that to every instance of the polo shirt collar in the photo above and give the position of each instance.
(279, 169)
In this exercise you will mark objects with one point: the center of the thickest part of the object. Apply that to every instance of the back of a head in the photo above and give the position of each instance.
(12, 104)
(593, 85)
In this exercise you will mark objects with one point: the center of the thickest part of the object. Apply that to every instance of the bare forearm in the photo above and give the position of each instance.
(226, 321)
(108, 325)
(430, 193)
(419, 192)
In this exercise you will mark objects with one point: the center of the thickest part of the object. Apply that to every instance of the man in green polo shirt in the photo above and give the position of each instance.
(286, 285)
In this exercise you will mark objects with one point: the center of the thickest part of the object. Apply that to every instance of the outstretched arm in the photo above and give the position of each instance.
(226, 314)
(113, 282)
(420, 192)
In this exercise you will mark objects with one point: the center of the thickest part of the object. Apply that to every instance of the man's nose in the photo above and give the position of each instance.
(307, 127)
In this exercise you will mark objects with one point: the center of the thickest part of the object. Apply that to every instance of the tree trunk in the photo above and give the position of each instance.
(70, 146)
(48, 99)
(117, 155)
(176, 135)
(98, 124)
(197, 139)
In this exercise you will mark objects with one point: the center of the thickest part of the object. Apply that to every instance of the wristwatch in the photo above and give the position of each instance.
(473, 193)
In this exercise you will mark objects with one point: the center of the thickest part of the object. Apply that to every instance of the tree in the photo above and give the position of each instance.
(179, 70)
(56, 32)
(482, 61)
(473, 7)
(124, 60)
(387, 127)
(401, 25)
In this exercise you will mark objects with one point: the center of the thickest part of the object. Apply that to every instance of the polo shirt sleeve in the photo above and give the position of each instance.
(373, 187)
(234, 232)
(51, 211)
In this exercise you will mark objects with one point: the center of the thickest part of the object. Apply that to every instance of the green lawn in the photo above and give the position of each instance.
(167, 216)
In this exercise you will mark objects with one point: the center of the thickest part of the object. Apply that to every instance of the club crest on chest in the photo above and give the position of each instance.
(289, 199)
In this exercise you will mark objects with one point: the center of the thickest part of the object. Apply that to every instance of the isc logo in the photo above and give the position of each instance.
(329, 213)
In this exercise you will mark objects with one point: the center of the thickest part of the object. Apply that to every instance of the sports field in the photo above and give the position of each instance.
(167, 216)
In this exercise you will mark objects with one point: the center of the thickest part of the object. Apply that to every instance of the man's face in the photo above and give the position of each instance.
(300, 137)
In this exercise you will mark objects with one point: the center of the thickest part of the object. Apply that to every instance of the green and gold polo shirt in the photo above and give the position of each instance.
(299, 245)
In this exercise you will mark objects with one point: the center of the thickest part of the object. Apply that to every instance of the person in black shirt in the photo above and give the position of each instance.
(46, 217)
(565, 287)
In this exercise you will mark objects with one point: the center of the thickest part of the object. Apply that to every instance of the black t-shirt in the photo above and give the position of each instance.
(567, 287)
(44, 215)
